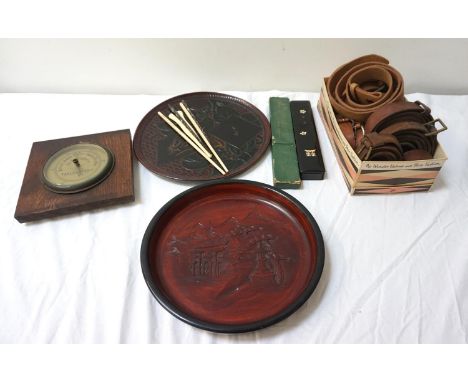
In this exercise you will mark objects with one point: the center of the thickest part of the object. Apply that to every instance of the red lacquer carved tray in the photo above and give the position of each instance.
(237, 130)
(232, 256)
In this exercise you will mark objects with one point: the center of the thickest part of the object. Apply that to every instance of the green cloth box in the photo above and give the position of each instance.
(283, 146)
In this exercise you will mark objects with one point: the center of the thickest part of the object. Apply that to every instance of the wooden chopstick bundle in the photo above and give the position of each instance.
(187, 126)
(189, 134)
(194, 123)
(190, 142)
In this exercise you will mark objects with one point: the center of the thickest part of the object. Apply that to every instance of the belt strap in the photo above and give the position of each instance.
(416, 155)
(359, 87)
(410, 123)
(412, 135)
(375, 146)
(398, 112)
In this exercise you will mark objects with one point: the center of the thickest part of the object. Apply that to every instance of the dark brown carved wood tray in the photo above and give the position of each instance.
(232, 256)
(238, 131)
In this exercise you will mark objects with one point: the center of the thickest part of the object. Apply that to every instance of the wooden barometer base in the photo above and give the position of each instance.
(36, 202)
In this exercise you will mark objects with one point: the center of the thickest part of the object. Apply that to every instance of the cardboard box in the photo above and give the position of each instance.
(377, 177)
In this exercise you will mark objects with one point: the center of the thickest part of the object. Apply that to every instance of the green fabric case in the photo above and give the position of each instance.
(283, 146)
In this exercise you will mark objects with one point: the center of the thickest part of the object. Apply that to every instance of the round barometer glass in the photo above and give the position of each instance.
(77, 168)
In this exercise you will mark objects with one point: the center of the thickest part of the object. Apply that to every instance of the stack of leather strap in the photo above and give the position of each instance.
(368, 96)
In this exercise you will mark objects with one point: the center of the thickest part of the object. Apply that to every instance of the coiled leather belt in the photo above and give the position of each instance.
(399, 131)
(362, 86)
(368, 96)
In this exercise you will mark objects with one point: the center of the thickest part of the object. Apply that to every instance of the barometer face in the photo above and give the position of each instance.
(77, 168)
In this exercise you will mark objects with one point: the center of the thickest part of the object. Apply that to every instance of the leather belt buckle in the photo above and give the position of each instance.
(363, 147)
(366, 143)
(433, 123)
(425, 108)
(359, 125)
(355, 125)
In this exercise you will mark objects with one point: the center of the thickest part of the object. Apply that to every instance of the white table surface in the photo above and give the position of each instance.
(396, 268)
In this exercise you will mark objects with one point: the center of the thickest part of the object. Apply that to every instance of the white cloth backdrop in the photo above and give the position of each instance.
(396, 267)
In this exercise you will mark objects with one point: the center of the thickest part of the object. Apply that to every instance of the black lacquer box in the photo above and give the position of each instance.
(309, 155)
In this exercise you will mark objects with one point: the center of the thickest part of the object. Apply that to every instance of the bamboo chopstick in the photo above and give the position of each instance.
(187, 139)
(180, 114)
(182, 117)
(200, 131)
(189, 134)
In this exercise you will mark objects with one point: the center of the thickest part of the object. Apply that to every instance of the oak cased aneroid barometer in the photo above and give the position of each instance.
(75, 174)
